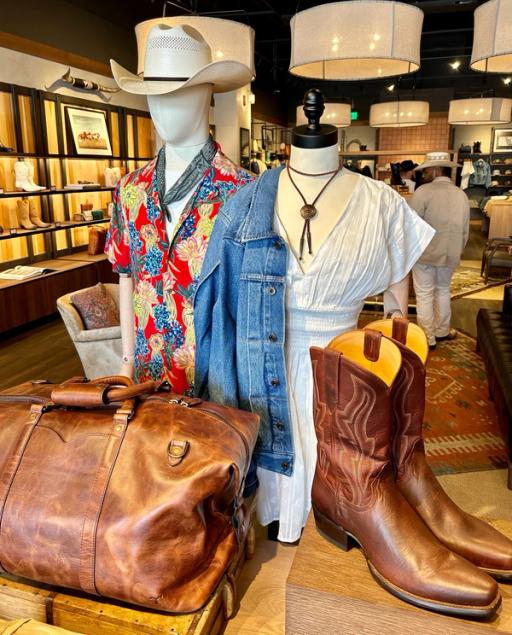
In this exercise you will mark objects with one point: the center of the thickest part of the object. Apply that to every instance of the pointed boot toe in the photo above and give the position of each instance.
(491, 550)
(454, 588)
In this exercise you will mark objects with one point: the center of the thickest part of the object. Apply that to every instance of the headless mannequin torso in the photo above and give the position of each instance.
(181, 120)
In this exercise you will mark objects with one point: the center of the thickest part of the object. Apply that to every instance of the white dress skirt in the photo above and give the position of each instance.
(374, 244)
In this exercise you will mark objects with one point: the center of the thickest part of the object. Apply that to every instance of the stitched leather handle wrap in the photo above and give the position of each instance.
(101, 392)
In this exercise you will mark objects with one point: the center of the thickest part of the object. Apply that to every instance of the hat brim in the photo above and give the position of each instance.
(437, 164)
(223, 75)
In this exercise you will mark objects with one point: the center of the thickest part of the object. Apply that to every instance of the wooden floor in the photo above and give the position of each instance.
(43, 352)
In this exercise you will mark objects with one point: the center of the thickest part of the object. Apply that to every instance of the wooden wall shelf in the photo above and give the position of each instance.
(59, 191)
(53, 228)
(377, 153)
(34, 123)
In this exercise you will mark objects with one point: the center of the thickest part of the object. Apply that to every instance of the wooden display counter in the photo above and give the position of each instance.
(28, 300)
(331, 592)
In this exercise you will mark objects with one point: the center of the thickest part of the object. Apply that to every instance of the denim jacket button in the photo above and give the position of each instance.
(280, 425)
(271, 290)
(272, 337)
(274, 382)
(285, 465)
(277, 244)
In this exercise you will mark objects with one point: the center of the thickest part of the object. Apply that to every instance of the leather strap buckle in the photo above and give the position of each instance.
(176, 451)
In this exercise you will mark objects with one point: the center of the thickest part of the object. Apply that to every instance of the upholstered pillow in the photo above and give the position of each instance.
(96, 307)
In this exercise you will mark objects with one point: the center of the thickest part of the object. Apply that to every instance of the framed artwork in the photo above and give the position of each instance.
(502, 140)
(245, 149)
(267, 133)
(89, 131)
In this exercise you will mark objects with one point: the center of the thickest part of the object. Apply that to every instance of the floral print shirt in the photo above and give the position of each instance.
(165, 269)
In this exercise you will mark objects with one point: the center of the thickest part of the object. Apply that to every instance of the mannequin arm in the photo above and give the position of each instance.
(396, 298)
(126, 319)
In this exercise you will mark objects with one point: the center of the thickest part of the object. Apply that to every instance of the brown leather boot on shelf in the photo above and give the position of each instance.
(34, 216)
(464, 534)
(355, 497)
(23, 214)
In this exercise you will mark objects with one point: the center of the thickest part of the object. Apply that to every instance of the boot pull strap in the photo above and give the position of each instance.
(372, 344)
(400, 328)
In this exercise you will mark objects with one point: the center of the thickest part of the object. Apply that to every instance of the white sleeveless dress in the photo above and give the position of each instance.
(374, 244)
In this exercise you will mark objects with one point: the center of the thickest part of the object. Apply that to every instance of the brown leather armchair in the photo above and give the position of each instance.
(497, 253)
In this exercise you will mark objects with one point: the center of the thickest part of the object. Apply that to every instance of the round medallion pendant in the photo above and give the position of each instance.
(308, 211)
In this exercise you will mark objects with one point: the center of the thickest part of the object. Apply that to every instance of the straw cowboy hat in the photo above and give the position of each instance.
(176, 58)
(437, 159)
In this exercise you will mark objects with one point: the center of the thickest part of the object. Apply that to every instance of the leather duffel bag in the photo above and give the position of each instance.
(139, 501)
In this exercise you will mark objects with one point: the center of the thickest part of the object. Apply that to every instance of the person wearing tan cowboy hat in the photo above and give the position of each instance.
(164, 212)
(445, 207)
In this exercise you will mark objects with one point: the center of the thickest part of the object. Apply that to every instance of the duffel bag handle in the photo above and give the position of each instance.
(102, 391)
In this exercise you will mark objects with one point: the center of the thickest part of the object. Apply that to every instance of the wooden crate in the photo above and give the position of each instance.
(92, 616)
(330, 591)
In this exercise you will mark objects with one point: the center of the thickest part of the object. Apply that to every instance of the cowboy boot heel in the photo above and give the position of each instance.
(354, 494)
(464, 534)
(333, 532)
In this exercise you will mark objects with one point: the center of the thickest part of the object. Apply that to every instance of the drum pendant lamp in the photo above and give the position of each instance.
(338, 115)
(227, 39)
(492, 39)
(480, 110)
(355, 40)
(399, 114)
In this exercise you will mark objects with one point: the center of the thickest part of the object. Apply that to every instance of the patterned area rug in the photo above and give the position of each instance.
(467, 280)
(461, 428)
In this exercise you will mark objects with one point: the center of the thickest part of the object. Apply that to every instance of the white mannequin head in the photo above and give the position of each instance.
(181, 117)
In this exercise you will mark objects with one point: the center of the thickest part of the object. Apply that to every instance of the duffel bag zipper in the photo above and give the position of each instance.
(185, 404)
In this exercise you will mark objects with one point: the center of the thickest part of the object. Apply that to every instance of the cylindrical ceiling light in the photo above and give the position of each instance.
(492, 39)
(338, 115)
(399, 114)
(356, 39)
(488, 110)
(228, 39)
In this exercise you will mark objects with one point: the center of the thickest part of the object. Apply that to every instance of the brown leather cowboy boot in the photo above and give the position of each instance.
(354, 492)
(464, 534)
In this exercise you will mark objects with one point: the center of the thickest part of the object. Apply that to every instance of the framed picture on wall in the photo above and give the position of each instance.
(245, 149)
(89, 131)
(502, 140)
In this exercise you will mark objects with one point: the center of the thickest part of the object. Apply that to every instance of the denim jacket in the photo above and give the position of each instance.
(240, 297)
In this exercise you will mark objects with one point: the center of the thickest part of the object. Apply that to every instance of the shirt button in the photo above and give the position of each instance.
(285, 465)
(280, 425)
(271, 290)
(272, 337)
(277, 244)
(275, 383)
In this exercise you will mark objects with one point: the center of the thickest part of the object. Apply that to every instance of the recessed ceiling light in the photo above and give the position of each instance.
(455, 65)
(507, 80)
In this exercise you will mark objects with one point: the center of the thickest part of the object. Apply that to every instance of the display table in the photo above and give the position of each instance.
(500, 215)
(331, 592)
